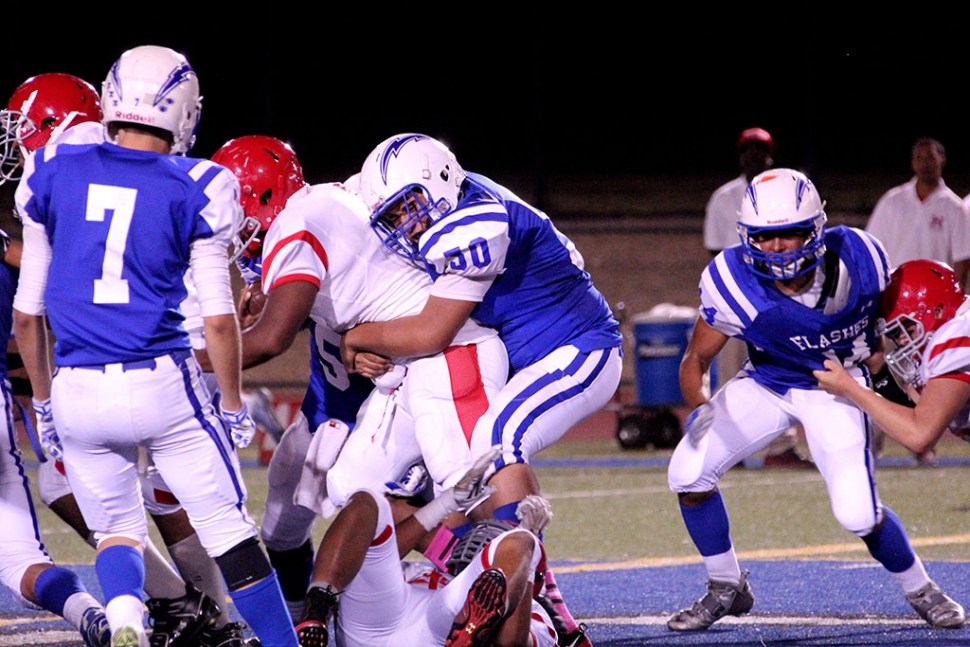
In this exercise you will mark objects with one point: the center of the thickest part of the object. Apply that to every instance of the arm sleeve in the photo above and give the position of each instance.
(34, 265)
(210, 273)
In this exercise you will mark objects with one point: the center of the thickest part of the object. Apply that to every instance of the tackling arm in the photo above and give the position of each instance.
(287, 308)
(919, 428)
(705, 343)
(429, 332)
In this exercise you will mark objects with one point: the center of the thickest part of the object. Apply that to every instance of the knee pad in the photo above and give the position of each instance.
(244, 564)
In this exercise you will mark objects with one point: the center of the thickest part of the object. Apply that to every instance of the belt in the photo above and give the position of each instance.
(177, 356)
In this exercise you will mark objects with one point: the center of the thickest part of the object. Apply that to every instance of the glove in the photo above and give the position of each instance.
(241, 426)
(469, 492)
(699, 422)
(45, 429)
(534, 514)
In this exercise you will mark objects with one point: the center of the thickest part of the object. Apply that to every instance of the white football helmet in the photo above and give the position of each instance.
(416, 171)
(154, 86)
(782, 200)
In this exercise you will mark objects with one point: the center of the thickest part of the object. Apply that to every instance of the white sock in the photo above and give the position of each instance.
(125, 611)
(913, 578)
(724, 567)
(76, 605)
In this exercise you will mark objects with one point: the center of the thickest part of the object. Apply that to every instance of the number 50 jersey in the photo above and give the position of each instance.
(120, 223)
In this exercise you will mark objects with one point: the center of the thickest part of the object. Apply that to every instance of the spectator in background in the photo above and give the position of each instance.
(923, 219)
(755, 150)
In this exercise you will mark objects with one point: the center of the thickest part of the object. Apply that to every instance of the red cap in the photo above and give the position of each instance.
(756, 135)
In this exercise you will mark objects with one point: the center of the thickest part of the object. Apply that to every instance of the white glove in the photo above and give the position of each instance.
(699, 422)
(468, 493)
(534, 514)
(241, 426)
(46, 430)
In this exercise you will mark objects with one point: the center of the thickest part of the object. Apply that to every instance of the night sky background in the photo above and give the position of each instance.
(601, 94)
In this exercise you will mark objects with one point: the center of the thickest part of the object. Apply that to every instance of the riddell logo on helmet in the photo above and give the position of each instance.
(781, 221)
(133, 117)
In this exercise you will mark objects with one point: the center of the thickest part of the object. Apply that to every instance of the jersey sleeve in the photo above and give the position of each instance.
(292, 252)
(219, 211)
(724, 306)
(471, 242)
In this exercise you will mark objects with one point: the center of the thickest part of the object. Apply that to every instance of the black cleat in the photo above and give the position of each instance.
(178, 622)
(319, 606)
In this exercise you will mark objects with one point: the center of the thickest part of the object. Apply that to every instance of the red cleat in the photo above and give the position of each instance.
(477, 622)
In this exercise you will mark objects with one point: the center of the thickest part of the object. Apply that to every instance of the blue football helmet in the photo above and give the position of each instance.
(782, 200)
(409, 179)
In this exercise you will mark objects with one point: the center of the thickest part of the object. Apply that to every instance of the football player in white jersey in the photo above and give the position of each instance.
(320, 262)
(926, 322)
(799, 295)
(90, 264)
(56, 109)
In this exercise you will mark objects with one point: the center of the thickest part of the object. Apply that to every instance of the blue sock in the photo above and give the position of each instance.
(507, 512)
(708, 525)
(121, 571)
(54, 586)
(461, 530)
(890, 545)
(262, 607)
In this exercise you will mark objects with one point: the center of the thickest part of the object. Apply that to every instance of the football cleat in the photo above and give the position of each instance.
(575, 638)
(722, 599)
(230, 635)
(129, 637)
(936, 607)
(480, 617)
(319, 606)
(179, 622)
(94, 628)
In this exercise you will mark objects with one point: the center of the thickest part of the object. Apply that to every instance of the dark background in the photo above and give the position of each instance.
(576, 94)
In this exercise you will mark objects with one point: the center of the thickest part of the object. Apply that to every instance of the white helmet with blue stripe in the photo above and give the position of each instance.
(156, 87)
(782, 202)
(417, 172)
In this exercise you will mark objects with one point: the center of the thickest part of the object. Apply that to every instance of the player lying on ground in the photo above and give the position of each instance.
(490, 601)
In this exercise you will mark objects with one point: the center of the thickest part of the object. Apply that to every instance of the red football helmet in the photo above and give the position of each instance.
(43, 106)
(922, 296)
(268, 174)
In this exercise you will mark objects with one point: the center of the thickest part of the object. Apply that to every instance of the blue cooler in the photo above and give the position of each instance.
(661, 339)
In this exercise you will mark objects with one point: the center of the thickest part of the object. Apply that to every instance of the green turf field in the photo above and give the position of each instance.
(616, 513)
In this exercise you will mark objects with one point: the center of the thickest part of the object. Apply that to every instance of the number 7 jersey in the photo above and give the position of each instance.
(120, 224)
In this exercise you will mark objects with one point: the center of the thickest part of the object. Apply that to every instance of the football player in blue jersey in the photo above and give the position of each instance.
(110, 232)
(501, 262)
(55, 109)
(798, 294)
